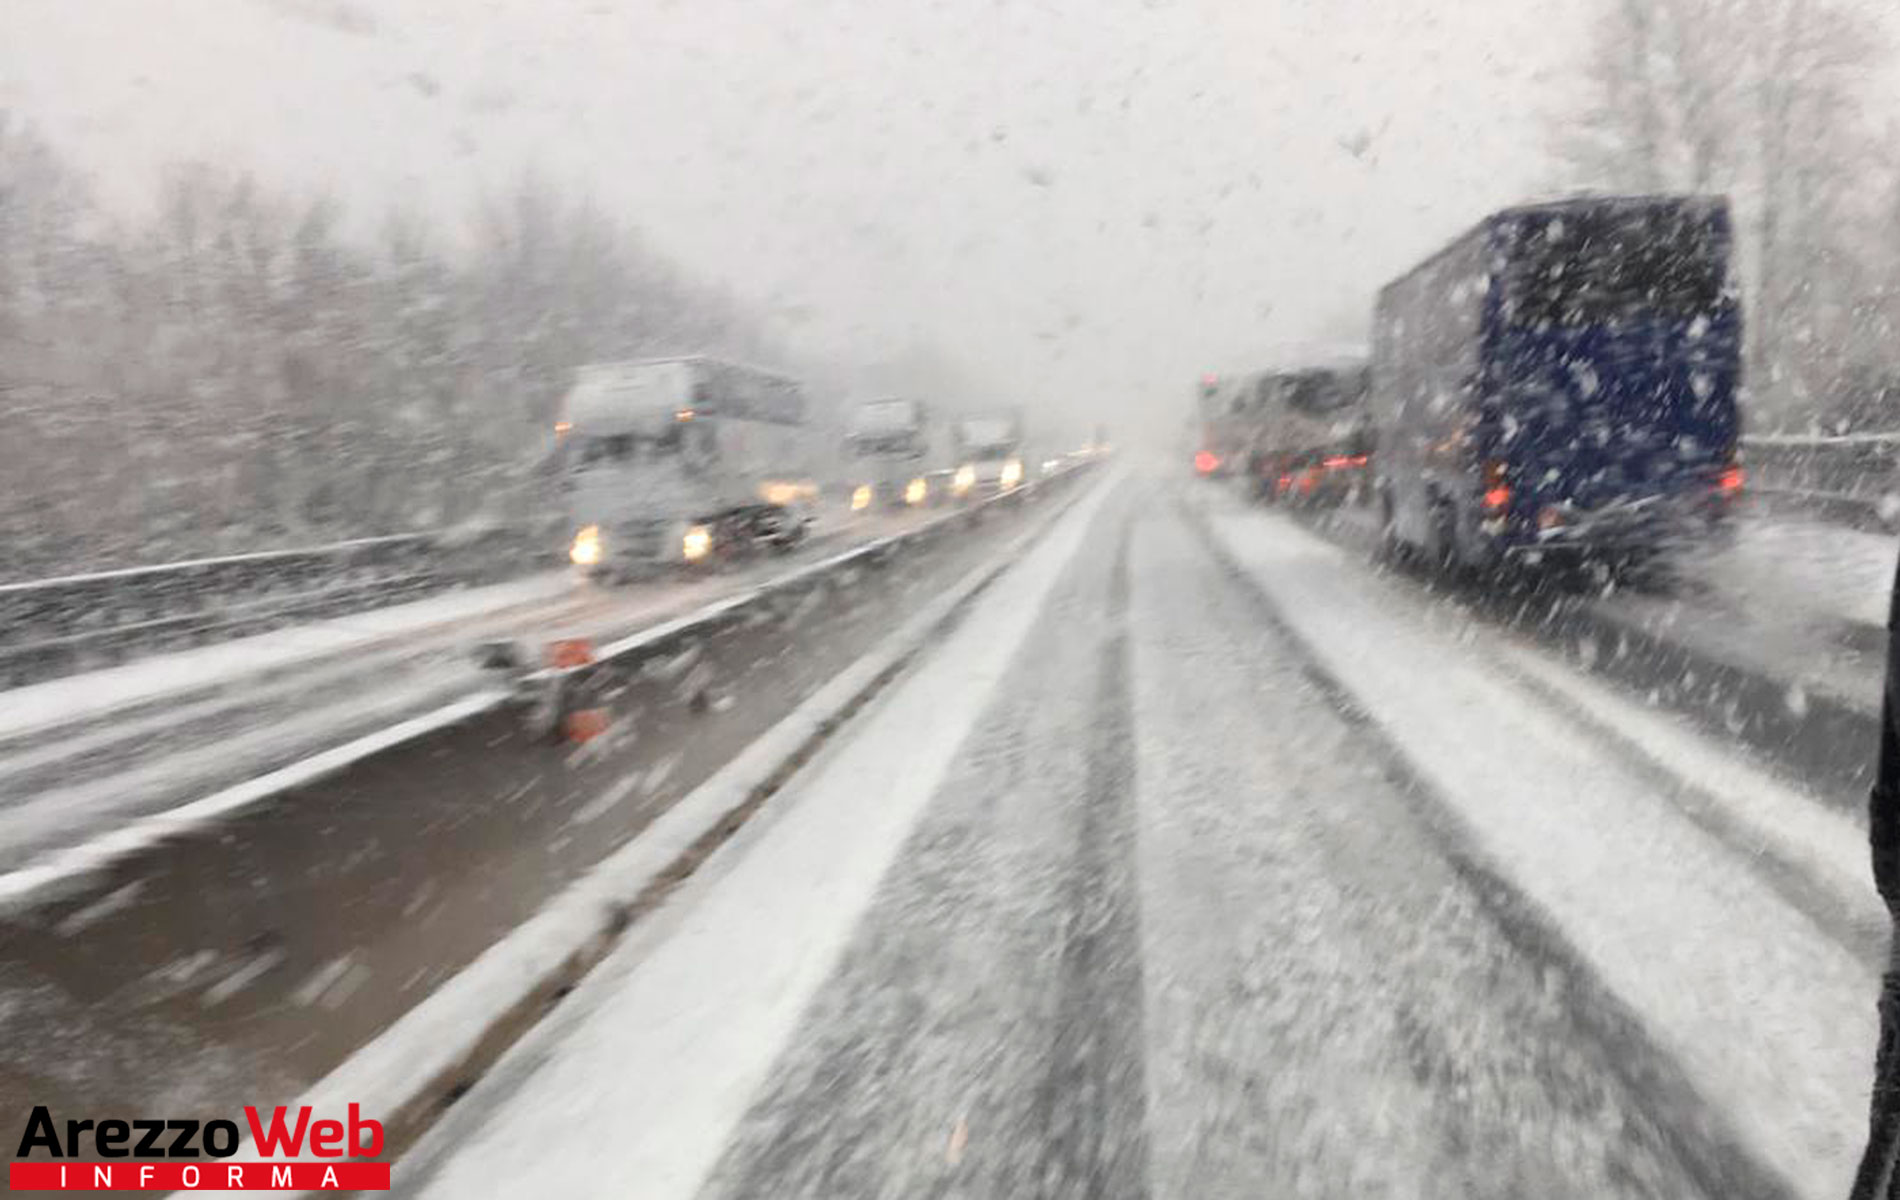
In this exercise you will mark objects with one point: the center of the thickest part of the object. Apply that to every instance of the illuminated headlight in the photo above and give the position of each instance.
(586, 548)
(861, 499)
(697, 543)
(786, 494)
(916, 491)
(965, 479)
(1012, 473)
(1051, 465)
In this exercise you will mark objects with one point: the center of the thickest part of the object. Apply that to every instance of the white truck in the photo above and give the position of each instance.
(989, 454)
(683, 460)
(895, 455)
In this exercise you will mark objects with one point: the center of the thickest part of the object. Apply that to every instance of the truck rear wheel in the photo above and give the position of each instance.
(779, 528)
(1392, 548)
(1444, 555)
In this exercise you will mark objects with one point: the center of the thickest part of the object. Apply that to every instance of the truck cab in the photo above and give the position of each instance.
(892, 456)
(989, 457)
(681, 461)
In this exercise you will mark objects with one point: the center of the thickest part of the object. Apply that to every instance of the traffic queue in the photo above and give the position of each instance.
(1558, 385)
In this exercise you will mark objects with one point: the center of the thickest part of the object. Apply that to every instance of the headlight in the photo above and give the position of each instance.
(697, 543)
(916, 491)
(786, 494)
(586, 548)
(965, 479)
(861, 499)
(1012, 473)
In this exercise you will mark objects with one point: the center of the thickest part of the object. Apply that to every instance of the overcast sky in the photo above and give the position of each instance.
(1086, 201)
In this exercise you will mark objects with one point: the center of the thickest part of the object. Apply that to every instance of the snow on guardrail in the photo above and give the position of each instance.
(51, 627)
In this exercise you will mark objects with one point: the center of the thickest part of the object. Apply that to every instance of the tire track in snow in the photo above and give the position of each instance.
(1092, 1101)
(982, 1035)
(1698, 1134)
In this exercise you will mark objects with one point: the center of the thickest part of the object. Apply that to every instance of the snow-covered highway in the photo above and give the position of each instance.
(1205, 859)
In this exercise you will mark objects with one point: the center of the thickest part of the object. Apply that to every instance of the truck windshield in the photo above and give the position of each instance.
(1569, 269)
(1321, 393)
(625, 448)
(896, 445)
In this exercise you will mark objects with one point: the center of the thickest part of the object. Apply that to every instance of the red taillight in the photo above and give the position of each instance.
(568, 653)
(1344, 460)
(1308, 481)
(1729, 482)
(1497, 492)
(1285, 484)
(1207, 462)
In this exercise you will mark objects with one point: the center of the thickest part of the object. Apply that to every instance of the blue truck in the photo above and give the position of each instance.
(1561, 384)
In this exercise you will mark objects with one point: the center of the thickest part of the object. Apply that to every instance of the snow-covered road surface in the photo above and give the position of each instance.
(1772, 640)
(86, 753)
(248, 947)
(1787, 596)
(1132, 889)
(1795, 598)
(1788, 565)
(1589, 839)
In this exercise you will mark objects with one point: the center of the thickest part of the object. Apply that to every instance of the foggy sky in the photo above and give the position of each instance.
(1084, 202)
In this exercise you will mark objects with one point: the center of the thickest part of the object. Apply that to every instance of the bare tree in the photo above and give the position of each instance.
(1810, 154)
(1759, 99)
(238, 372)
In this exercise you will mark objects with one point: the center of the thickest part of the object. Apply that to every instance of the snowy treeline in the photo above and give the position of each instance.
(243, 369)
(1781, 104)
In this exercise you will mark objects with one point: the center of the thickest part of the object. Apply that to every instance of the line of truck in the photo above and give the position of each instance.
(1561, 385)
(672, 461)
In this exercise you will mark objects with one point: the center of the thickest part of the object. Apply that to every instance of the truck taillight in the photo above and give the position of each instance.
(1497, 487)
(1729, 482)
(1207, 462)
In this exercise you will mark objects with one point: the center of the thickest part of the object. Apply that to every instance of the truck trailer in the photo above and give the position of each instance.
(1562, 384)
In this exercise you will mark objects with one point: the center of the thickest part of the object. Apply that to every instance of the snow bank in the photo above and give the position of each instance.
(1771, 1020)
(32, 710)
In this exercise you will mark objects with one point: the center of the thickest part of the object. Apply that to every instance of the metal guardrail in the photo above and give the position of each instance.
(1850, 478)
(549, 693)
(523, 718)
(60, 626)
(52, 627)
(1889, 441)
